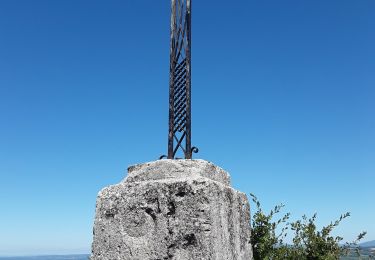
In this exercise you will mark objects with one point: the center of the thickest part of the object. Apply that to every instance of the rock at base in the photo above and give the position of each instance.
(172, 209)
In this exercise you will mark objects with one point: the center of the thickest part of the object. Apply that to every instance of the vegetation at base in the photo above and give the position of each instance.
(308, 242)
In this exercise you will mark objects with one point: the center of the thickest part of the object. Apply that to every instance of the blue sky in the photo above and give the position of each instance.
(283, 98)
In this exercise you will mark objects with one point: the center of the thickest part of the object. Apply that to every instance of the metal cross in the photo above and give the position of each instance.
(179, 138)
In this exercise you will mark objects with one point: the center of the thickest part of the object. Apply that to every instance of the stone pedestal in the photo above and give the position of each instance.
(172, 209)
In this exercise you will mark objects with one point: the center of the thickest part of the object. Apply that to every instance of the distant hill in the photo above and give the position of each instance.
(60, 257)
(368, 244)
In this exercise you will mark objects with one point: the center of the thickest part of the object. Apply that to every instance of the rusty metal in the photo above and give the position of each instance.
(179, 137)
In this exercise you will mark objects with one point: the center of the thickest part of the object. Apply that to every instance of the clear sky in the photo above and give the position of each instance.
(283, 98)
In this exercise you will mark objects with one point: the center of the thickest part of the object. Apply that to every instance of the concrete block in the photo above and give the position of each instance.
(172, 209)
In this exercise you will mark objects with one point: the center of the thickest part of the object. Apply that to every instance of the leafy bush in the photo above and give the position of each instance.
(309, 243)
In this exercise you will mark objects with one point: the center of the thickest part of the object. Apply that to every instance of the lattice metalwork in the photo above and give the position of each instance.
(179, 138)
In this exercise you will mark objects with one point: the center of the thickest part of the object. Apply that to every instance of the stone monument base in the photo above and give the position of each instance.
(172, 209)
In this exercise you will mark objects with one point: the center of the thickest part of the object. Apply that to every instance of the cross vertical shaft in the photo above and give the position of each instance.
(179, 138)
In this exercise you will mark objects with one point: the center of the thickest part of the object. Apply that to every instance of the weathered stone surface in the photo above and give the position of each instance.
(172, 209)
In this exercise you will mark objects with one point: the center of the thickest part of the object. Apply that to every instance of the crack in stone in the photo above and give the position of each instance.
(150, 212)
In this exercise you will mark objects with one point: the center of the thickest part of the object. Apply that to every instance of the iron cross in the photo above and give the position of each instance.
(179, 138)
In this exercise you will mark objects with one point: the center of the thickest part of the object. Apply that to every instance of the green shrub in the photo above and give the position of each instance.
(309, 243)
